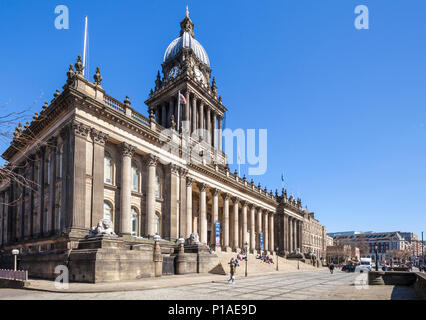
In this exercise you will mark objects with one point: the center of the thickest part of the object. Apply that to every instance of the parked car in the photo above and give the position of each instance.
(348, 268)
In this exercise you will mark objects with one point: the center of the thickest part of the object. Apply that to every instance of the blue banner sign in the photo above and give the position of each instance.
(217, 229)
(261, 241)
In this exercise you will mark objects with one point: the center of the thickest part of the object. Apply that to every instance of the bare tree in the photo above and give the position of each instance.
(21, 139)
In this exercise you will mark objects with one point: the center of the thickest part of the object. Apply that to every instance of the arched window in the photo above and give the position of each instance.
(108, 168)
(157, 226)
(107, 211)
(134, 222)
(158, 185)
(135, 177)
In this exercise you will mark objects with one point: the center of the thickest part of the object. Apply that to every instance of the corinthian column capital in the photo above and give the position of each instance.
(127, 150)
(98, 136)
(226, 196)
(203, 187)
(215, 192)
(189, 181)
(79, 129)
(151, 160)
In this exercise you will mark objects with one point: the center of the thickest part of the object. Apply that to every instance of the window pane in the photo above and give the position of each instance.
(135, 178)
(108, 168)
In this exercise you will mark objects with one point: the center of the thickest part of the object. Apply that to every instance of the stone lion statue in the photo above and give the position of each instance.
(193, 239)
(104, 227)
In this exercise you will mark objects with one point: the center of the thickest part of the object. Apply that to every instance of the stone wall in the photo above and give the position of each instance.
(400, 278)
(420, 285)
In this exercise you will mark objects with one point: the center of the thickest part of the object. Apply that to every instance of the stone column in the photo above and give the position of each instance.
(226, 221)
(164, 115)
(171, 111)
(209, 127)
(220, 134)
(214, 130)
(171, 217)
(266, 235)
(252, 231)
(290, 234)
(53, 142)
(183, 203)
(77, 169)
(300, 235)
(157, 114)
(203, 213)
(188, 206)
(187, 117)
(259, 226)
(201, 119)
(215, 207)
(235, 220)
(244, 237)
(194, 114)
(271, 232)
(151, 163)
(99, 139)
(127, 151)
(294, 229)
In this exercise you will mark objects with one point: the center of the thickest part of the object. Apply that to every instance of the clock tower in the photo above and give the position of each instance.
(186, 70)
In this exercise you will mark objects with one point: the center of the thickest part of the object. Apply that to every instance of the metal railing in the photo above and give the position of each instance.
(140, 118)
(14, 275)
(114, 103)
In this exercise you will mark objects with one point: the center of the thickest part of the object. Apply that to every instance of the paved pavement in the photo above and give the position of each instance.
(290, 286)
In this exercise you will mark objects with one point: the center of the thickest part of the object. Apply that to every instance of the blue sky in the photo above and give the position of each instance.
(345, 109)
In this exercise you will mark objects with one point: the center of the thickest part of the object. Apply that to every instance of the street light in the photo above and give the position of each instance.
(245, 248)
(15, 253)
(276, 251)
(375, 250)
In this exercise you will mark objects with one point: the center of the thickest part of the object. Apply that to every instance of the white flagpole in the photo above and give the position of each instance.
(178, 113)
(85, 46)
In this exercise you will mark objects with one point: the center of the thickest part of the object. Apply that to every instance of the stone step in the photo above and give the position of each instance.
(256, 266)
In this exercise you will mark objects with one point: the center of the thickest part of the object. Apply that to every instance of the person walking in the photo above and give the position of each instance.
(232, 269)
(331, 266)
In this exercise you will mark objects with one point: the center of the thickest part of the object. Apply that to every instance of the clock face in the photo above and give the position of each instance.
(199, 75)
(174, 72)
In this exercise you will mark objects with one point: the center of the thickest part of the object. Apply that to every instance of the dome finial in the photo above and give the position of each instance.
(186, 24)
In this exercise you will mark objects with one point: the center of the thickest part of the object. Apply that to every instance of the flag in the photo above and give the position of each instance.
(282, 177)
(182, 98)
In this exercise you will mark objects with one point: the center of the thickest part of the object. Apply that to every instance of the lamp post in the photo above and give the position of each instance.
(15, 253)
(276, 250)
(375, 250)
(245, 249)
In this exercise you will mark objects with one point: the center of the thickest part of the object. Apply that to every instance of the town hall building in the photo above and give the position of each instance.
(89, 162)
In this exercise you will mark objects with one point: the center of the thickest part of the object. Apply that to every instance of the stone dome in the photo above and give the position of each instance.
(186, 41)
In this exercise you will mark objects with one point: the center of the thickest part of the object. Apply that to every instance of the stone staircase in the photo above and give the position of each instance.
(256, 266)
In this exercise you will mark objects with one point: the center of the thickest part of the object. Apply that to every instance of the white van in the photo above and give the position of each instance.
(365, 265)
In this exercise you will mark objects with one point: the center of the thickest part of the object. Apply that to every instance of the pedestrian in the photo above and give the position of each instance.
(331, 266)
(232, 267)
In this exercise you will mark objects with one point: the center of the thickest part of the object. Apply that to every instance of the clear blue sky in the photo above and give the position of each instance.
(345, 109)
